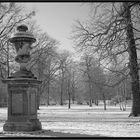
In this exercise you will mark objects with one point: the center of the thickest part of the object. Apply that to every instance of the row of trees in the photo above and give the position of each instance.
(49, 64)
(107, 69)
(11, 15)
(112, 35)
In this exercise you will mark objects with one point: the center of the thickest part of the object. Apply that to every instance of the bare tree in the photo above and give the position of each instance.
(63, 62)
(11, 14)
(43, 52)
(113, 36)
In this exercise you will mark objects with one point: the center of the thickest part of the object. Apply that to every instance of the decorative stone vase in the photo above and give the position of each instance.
(22, 87)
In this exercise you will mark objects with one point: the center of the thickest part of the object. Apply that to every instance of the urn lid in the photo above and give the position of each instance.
(22, 34)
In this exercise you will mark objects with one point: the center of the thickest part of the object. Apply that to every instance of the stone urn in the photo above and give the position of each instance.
(22, 87)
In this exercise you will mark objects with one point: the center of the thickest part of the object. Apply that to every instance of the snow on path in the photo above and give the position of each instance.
(80, 121)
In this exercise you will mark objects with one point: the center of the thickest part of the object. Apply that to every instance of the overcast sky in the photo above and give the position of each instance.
(57, 18)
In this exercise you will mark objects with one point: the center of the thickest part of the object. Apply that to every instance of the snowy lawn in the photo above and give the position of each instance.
(80, 121)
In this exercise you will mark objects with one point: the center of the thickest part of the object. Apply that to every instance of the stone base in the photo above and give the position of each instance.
(23, 74)
(31, 125)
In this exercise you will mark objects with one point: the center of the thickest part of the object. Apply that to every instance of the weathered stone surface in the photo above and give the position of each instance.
(23, 74)
(22, 87)
(22, 105)
(31, 125)
(33, 103)
(17, 103)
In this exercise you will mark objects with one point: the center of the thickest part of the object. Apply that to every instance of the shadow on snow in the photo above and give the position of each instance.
(46, 133)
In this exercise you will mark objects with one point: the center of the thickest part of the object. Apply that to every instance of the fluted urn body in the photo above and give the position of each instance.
(22, 87)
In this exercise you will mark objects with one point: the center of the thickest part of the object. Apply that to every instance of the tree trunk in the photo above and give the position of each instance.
(61, 92)
(38, 98)
(132, 63)
(90, 102)
(90, 92)
(104, 100)
(73, 88)
(38, 102)
(96, 101)
(124, 93)
(73, 95)
(40, 71)
(48, 92)
(69, 100)
(73, 99)
(8, 67)
(119, 96)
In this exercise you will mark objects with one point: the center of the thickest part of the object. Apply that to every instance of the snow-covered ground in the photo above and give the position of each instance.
(80, 121)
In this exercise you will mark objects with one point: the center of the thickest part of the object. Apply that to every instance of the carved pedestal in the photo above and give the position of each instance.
(22, 105)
